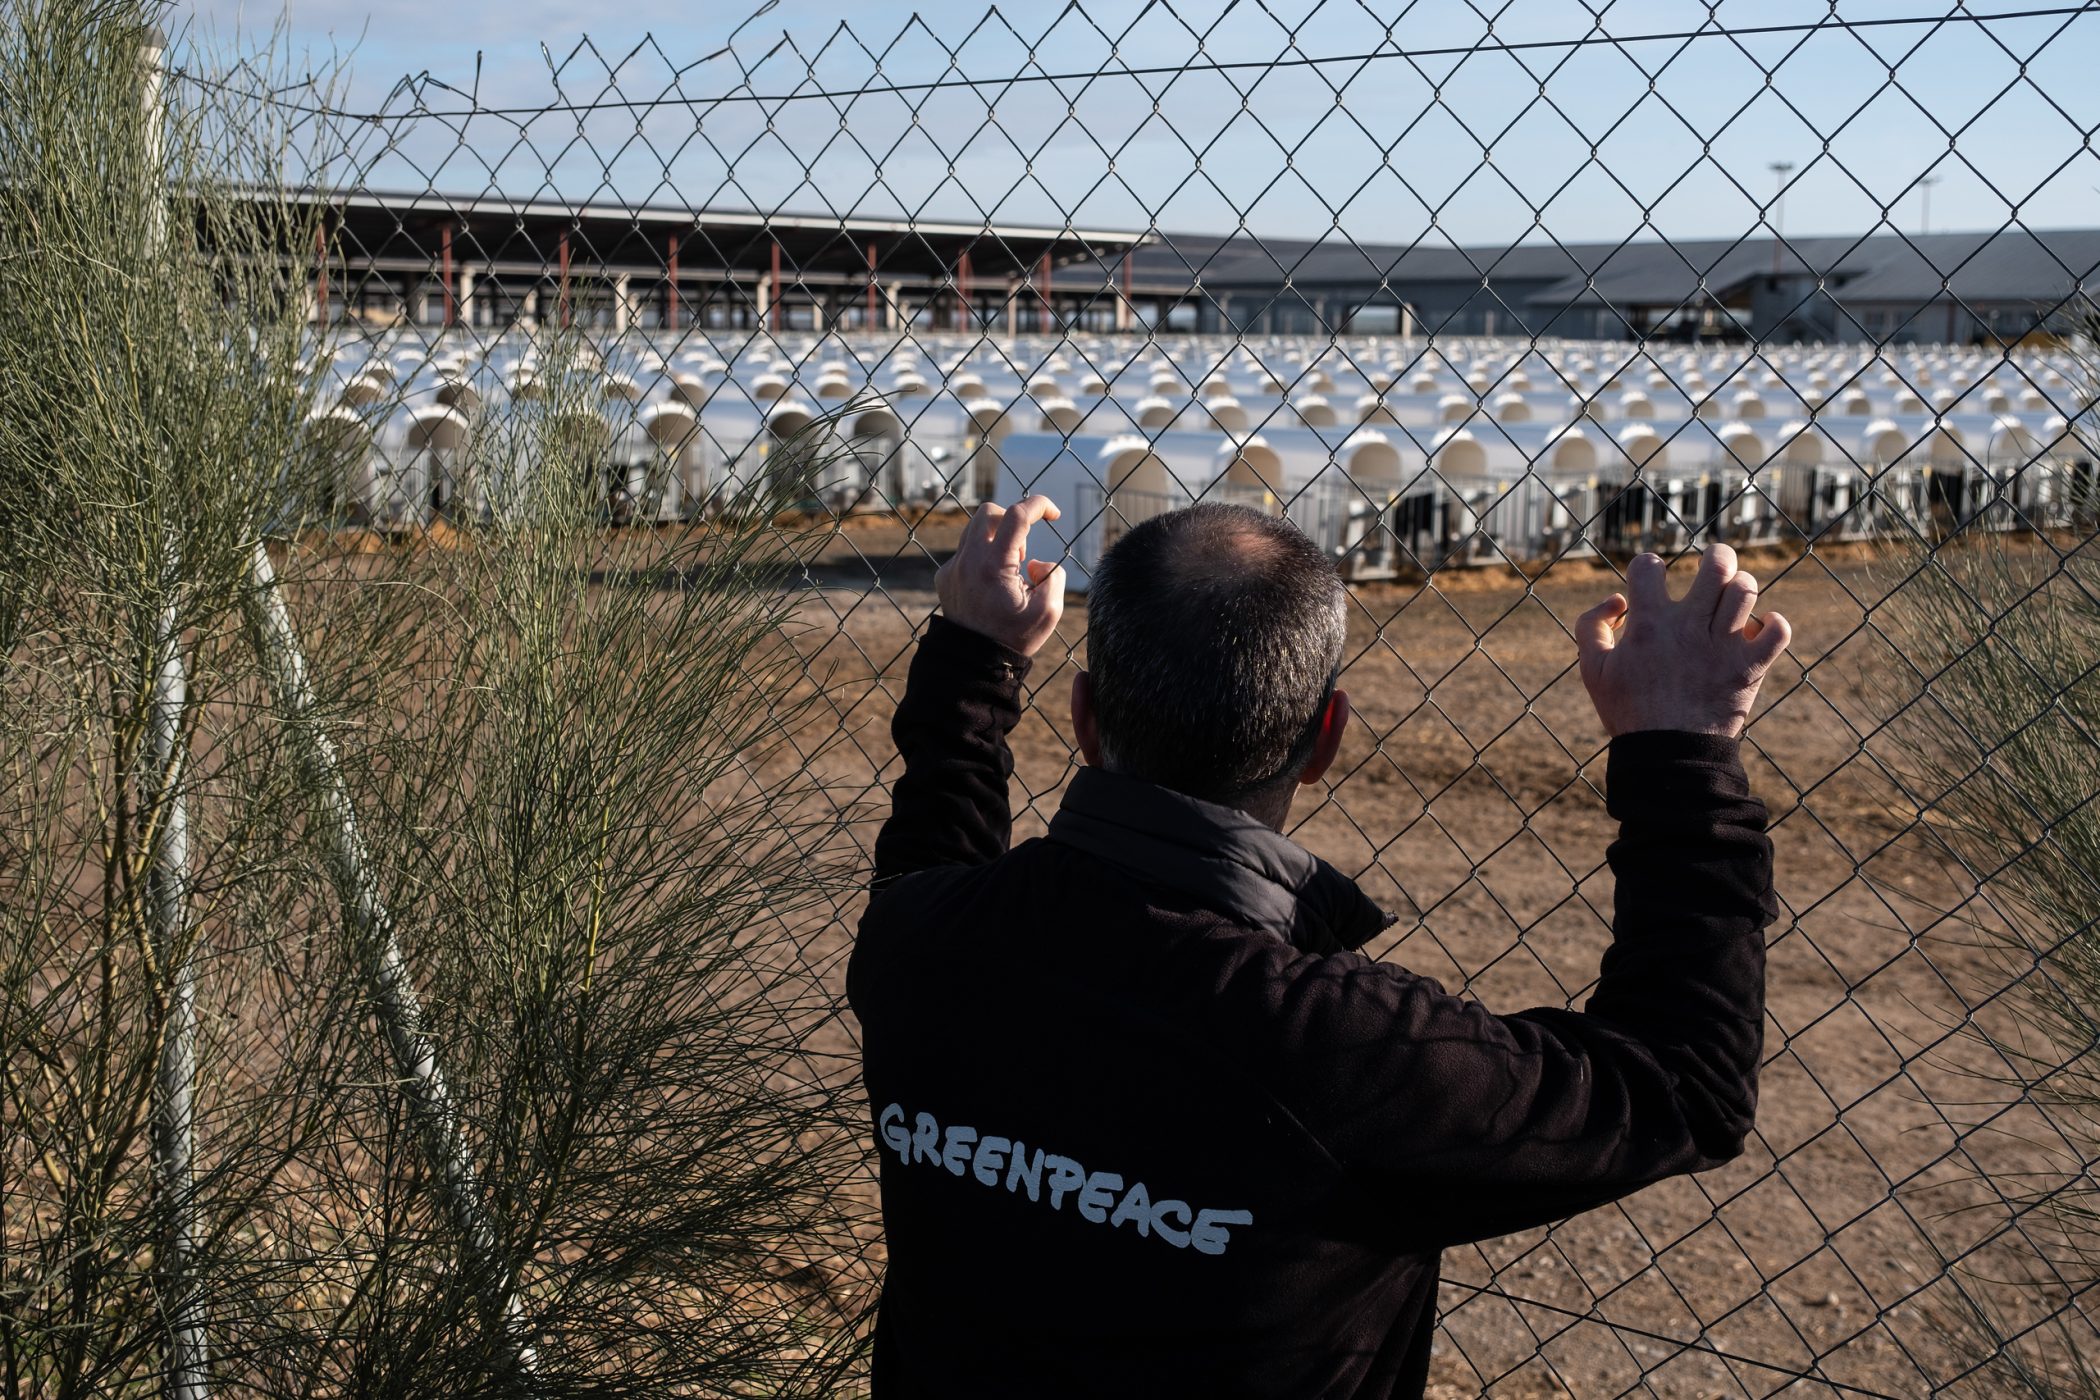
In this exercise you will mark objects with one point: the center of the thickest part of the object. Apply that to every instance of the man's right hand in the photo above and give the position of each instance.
(991, 586)
(1650, 662)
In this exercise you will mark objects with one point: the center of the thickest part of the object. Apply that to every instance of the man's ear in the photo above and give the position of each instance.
(1083, 725)
(1334, 722)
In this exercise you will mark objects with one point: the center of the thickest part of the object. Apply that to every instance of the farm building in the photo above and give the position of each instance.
(487, 262)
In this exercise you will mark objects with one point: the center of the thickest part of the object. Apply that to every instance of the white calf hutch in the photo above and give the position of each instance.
(1398, 456)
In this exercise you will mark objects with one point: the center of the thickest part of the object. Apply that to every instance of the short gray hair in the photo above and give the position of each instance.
(1214, 637)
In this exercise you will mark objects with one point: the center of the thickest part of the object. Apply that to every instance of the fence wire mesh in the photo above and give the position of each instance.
(1486, 299)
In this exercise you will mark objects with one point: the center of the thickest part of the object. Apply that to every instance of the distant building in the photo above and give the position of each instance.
(487, 261)
(1943, 287)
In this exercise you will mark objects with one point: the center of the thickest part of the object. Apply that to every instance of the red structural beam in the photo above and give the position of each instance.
(561, 300)
(1048, 315)
(671, 282)
(964, 311)
(451, 290)
(321, 272)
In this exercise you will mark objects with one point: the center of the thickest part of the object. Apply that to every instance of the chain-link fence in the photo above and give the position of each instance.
(1486, 300)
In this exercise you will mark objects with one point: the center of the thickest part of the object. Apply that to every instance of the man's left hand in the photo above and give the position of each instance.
(991, 586)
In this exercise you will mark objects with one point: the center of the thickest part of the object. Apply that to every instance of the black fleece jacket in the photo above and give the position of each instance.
(1147, 1126)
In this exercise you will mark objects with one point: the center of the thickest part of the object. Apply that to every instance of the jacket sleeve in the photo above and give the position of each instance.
(962, 697)
(1476, 1125)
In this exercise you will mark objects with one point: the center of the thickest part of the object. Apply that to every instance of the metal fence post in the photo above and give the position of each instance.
(165, 813)
(394, 993)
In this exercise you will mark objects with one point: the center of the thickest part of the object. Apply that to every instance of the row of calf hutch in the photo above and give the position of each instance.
(1384, 504)
(1397, 456)
(835, 367)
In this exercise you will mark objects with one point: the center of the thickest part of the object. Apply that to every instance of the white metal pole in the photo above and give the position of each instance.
(166, 811)
(173, 1130)
(399, 1008)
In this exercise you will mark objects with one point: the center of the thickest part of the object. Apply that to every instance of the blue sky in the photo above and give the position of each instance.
(1433, 143)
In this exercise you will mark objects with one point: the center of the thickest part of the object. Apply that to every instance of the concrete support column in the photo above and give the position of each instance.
(1123, 308)
(463, 313)
(773, 320)
(622, 312)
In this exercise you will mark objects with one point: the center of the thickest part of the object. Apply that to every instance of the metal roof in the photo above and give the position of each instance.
(1247, 262)
(377, 227)
(669, 217)
(2009, 265)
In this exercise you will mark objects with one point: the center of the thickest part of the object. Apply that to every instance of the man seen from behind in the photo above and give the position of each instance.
(1148, 1124)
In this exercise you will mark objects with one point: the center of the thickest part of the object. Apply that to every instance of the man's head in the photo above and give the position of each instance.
(1214, 635)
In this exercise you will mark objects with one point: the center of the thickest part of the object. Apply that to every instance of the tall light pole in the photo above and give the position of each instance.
(1925, 184)
(1780, 170)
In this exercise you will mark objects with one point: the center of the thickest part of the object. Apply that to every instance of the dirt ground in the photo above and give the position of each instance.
(1468, 800)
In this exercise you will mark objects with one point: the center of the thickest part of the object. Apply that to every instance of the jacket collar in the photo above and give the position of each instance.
(1225, 859)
